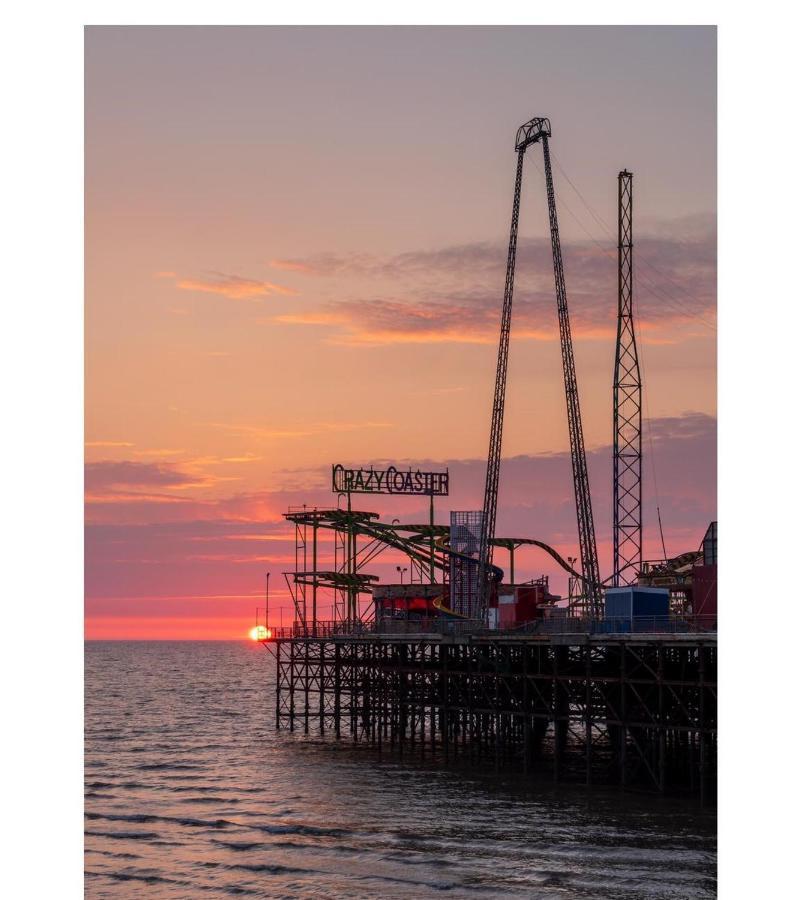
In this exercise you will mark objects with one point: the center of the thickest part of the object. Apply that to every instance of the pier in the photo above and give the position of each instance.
(633, 710)
(614, 683)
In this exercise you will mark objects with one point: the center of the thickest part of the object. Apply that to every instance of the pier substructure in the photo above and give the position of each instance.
(631, 710)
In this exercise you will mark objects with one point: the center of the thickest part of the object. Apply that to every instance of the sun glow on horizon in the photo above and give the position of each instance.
(260, 633)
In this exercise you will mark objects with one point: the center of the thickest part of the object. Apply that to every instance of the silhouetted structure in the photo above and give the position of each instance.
(627, 405)
(532, 132)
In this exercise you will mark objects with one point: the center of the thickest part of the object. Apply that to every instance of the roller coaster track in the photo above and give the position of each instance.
(414, 542)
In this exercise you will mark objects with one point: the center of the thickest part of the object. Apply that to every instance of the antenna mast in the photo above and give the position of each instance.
(627, 406)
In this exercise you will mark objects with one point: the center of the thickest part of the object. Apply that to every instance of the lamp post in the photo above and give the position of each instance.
(571, 584)
(400, 572)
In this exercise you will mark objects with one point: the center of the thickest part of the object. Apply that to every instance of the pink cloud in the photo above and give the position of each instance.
(454, 294)
(126, 473)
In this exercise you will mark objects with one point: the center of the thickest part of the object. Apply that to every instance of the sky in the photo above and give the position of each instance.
(295, 256)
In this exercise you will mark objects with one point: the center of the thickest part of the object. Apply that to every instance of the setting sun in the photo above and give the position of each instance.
(260, 633)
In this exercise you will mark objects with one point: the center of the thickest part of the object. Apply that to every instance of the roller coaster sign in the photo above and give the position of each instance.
(389, 481)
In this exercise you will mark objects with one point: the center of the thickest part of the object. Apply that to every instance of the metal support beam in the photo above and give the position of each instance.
(631, 713)
(580, 475)
(499, 401)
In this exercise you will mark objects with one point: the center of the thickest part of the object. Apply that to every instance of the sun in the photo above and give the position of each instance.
(260, 633)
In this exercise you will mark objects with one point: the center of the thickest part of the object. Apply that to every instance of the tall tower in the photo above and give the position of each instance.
(627, 405)
(535, 131)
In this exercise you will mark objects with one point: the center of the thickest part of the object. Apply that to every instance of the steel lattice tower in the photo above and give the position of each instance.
(532, 132)
(580, 475)
(627, 405)
(499, 402)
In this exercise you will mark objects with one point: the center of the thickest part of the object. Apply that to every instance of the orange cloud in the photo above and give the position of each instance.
(125, 497)
(332, 264)
(256, 431)
(453, 336)
(412, 324)
(234, 287)
(363, 338)
(278, 538)
(309, 318)
(290, 265)
(164, 452)
(240, 559)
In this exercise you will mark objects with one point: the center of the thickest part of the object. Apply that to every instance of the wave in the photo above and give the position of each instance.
(263, 868)
(142, 818)
(112, 854)
(162, 879)
(125, 835)
(241, 846)
(135, 876)
(306, 830)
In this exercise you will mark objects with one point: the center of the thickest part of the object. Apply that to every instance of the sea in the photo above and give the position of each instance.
(190, 791)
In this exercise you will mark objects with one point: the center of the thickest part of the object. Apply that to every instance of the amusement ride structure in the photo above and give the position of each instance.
(616, 685)
(459, 557)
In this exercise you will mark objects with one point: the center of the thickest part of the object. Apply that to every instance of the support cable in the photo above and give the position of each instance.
(675, 303)
(648, 430)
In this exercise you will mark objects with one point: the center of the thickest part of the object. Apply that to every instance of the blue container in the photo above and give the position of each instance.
(619, 603)
(634, 602)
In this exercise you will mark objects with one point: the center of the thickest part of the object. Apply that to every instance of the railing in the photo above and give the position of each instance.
(453, 627)
(386, 626)
(560, 625)
(624, 625)
(320, 629)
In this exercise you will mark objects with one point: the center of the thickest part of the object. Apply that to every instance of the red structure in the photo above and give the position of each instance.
(704, 591)
(411, 601)
(517, 604)
(705, 584)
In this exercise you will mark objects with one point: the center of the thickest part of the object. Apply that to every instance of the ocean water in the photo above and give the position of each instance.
(191, 792)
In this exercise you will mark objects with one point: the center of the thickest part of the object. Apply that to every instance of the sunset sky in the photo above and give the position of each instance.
(295, 255)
